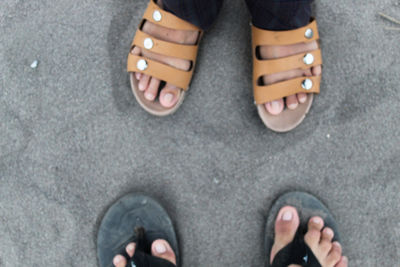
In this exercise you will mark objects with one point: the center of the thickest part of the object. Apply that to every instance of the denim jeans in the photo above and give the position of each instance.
(266, 14)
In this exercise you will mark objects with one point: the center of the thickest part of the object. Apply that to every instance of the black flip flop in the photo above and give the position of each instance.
(140, 219)
(297, 252)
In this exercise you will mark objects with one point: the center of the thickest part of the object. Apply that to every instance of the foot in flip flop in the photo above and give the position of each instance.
(160, 248)
(318, 238)
(137, 231)
(163, 55)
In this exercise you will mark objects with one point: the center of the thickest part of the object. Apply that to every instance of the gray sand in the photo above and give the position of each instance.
(73, 139)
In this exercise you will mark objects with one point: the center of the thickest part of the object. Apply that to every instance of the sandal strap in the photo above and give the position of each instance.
(268, 93)
(157, 15)
(187, 52)
(299, 61)
(179, 78)
(304, 34)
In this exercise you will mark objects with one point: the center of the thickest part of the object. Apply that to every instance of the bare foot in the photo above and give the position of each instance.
(328, 253)
(169, 95)
(271, 52)
(159, 248)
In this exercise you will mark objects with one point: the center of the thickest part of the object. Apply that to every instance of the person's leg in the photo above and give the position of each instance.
(201, 13)
(280, 15)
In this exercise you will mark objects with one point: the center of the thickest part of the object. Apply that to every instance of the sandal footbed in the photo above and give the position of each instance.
(288, 119)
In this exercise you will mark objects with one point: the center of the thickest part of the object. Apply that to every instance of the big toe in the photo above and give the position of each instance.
(169, 96)
(286, 225)
(275, 107)
(160, 248)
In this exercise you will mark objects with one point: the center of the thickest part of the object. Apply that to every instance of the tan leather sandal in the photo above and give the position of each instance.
(288, 119)
(164, 72)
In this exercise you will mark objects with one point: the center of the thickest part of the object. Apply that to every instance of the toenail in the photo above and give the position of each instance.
(130, 247)
(276, 105)
(345, 259)
(292, 106)
(117, 259)
(160, 248)
(302, 99)
(317, 220)
(168, 97)
(141, 86)
(287, 216)
(328, 231)
(149, 96)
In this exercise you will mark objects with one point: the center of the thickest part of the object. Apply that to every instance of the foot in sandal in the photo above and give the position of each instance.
(287, 65)
(159, 248)
(166, 39)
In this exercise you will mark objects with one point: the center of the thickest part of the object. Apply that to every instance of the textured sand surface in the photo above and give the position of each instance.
(73, 139)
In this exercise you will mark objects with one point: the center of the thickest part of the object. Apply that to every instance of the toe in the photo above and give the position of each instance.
(161, 248)
(313, 235)
(335, 254)
(343, 262)
(291, 102)
(151, 92)
(138, 75)
(130, 249)
(169, 96)
(275, 107)
(144, 82)
(316, 223)
(119, 261)
(286, 224)
(302, 97)
(325, 244)
(327, 234)
(135, 51)
(317, 70)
